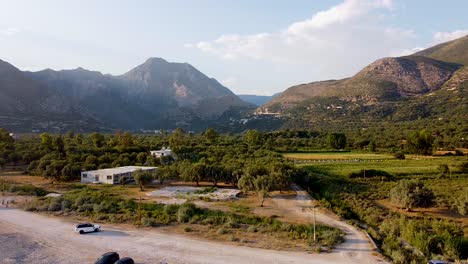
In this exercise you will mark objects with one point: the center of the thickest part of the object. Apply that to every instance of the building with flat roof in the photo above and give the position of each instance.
(112, 175)
(163, 152)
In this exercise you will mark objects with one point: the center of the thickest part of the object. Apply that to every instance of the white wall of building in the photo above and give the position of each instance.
(111, 175)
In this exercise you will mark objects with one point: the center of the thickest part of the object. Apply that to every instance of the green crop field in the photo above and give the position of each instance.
(393, 166)
(344, 163)
(336, 156)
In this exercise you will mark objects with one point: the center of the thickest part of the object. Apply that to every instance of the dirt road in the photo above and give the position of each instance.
(356, 249)
(33, 238)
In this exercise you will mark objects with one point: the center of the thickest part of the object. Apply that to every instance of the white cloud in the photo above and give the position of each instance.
(229, 82)
(406, 52)
(9, 31)
(345, 12)
(440, 37)
(333, 43)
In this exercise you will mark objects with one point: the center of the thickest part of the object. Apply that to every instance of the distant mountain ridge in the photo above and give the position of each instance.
(25, 102)
(257, 100)
(156, 94)
(397, 89)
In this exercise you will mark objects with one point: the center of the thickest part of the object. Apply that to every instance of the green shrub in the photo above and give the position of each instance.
(231, 222)
(252, 229)
(185, 212)
(411, 193)
(222, 231)
(399, 155)
(457, 247)
(162, 218)
(206, 190)
(101, 217)
(370, 174)
(55, 205)
(463, 167)
(171, 209)
(330, 237)
(27, 189)
(149, 222)
(65, 205)
(30, 208)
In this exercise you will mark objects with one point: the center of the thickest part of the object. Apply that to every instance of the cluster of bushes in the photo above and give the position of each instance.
(26, 189)
(107, 207)
(428, 237)
(371, 173)
(404, 239)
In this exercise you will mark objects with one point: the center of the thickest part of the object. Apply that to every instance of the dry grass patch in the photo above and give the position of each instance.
(435, 212)
(243, 237)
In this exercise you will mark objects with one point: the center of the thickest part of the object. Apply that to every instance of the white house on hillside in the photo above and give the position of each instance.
(112, 175)
(163, 152)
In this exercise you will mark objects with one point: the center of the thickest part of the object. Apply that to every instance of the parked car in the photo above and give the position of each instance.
(125, 260)
(108, 258)
(437, 262)
(87, 228)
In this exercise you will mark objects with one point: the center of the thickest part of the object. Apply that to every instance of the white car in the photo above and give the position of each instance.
(87, 228)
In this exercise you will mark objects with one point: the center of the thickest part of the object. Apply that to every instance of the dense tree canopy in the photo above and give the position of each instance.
(337, 140)
(420, 142)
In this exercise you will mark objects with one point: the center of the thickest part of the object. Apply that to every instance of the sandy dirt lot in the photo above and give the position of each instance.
(182, 194)
(33, 238)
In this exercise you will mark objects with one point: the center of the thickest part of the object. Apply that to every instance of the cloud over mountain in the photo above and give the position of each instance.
(339, 40)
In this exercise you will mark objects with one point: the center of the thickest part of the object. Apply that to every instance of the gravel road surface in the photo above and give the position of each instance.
(34, 238)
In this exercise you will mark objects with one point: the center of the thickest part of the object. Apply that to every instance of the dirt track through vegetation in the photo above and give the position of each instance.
(357, 248)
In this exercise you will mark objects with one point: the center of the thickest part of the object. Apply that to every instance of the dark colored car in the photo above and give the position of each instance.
(125, 260)
(437, 262)
(108, 258)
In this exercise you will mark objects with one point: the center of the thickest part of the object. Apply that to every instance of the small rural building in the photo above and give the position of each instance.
(112, 175)
(14, 136)
(163, 152)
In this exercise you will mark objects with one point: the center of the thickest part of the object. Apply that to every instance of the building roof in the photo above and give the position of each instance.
(119, 170)
(162, 150)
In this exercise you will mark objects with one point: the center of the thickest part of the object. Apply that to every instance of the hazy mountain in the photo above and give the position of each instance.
(402, 88)
(156, 94)
(178, 84)
(27, 104)
(257, 100)
(100, 95)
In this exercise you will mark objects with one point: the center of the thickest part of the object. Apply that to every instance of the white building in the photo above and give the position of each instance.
(112, 175)
(14, 136)
(163, 152)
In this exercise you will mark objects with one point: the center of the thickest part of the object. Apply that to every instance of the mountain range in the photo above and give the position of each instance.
(257, 100)
(154, 95)
(431, 83)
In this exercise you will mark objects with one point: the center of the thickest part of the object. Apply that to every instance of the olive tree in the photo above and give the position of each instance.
(420, 142)
(262, 185)
(143, 178)
(411, 193)
(337, 140)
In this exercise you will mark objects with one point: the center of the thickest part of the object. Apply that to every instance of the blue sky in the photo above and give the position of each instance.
(252, 47)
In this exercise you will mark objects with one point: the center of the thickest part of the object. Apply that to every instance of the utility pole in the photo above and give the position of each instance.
(139, 212)
(314, 221)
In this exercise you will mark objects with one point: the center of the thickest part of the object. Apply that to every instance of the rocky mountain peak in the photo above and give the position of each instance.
(413, 75)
